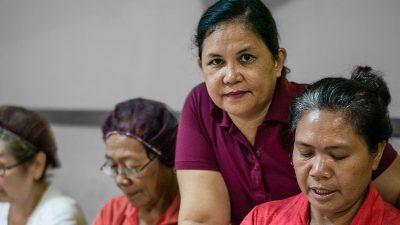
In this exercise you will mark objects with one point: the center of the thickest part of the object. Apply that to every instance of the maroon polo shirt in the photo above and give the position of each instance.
(208, 140)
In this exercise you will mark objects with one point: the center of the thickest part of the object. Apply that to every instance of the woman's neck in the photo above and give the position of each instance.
(150, 216)
(344, 217)
(249, 124)
(21, 210)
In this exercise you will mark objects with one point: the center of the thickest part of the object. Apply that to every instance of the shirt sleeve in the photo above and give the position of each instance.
(60, 211)
(193, 148)
(389, 155)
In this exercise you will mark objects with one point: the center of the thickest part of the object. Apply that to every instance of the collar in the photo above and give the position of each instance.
(169, 217)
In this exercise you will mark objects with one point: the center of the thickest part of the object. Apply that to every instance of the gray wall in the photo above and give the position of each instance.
(93, 53)
(90, 54)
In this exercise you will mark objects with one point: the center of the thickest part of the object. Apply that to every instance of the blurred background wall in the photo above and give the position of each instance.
(86, 55)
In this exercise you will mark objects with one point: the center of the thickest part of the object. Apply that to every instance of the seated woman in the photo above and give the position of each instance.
(27, 149)
(341, 128)
(140, 137)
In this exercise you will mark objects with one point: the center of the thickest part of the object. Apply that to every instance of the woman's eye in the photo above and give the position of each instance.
(132, 167)
(114, 167)
(339, 157)
(215, 62)
(246, 58)
(306, 154)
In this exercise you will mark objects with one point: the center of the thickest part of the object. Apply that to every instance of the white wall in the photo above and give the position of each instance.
(91, 54)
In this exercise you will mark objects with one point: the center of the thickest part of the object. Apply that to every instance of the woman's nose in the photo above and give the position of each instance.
(320, 169)
(232, 74)
(122, 180)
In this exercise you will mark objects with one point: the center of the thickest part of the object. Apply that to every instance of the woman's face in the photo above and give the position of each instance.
(332, 163)
(239, 70)
(144, 190)
(17, 183)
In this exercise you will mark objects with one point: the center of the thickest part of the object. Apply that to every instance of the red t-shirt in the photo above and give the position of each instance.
(208, 140)
(119, 211)
(295, 210)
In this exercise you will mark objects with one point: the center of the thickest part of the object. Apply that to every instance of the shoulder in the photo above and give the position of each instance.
(116, 204)
(198, 96)
(199, 89)
(114, 211)
(4, 207)
(55, 199)
(287, 211)
(197, 107)
(292, 87)
(56, 207)
(391, 215)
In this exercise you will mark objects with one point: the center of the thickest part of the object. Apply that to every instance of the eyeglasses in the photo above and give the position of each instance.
(3, 169)
(126, 171)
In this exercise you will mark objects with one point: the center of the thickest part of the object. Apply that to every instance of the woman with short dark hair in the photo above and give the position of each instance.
(341, 129)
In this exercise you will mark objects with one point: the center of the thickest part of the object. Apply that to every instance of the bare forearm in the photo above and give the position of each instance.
(204, 198)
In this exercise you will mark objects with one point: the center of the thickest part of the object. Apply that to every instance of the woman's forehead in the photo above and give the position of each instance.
(123, 147)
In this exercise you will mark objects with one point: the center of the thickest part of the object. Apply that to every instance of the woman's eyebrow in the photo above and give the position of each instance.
(246, 49)
(337, 147)
(301, 143)
(213, 55)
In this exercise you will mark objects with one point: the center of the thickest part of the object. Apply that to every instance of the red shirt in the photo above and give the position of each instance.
(208, 140)
(119, 211)
(295, 210)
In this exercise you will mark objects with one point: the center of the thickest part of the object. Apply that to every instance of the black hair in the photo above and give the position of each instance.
(362, 100)
(251, 12)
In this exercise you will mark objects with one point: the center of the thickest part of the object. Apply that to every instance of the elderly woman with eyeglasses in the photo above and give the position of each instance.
(27, 149)
(139, 135)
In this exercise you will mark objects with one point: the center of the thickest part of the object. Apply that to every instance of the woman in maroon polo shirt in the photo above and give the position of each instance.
(234, 143)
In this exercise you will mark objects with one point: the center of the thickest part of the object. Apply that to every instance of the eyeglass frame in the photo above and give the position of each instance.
(127, 172)
(4, 169)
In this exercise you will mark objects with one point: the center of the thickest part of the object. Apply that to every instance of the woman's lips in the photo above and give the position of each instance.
(131, 194)
(321, 194)
(235, 94)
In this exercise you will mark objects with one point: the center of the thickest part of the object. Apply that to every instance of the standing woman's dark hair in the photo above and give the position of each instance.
(34, 134)
(362, 100)
(253, 13)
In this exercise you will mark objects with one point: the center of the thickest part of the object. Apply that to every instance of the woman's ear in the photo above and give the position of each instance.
(378, 154)
(280, 61)
(38, 165)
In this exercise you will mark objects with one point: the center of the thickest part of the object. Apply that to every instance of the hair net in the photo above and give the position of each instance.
(149, 121)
